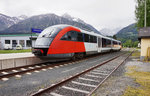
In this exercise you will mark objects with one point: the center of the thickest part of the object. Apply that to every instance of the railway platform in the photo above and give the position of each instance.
(17, 59)
(15, 55)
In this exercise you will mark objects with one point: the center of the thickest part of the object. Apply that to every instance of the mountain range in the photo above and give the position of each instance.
(23, 25)
(7, 21)
(128, 33)
(16, 25)
(110, 32)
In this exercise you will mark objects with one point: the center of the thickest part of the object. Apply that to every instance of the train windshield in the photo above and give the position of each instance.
(50, 32)
(43, 42)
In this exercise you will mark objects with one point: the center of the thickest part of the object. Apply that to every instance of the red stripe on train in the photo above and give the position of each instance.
(61, 46)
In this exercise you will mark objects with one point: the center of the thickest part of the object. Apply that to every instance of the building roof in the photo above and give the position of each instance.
(15, 35)
(144, 32)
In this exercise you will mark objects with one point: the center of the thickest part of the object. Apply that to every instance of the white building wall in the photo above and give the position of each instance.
(1, 43)
(25, 38)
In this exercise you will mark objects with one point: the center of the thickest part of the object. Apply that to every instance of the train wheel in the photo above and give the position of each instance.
(77, 56)
(74, 58)
(80, 55)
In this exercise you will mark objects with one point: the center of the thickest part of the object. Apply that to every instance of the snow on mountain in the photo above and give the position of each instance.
(45, 20)
(69, 17)
(22, 17)
(7, 21)
(110, 32)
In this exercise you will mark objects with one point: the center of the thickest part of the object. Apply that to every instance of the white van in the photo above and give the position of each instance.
(7, 46)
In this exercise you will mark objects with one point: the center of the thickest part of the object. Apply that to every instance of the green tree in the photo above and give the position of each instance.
(140, 12)
(128, 43)
(114, 36)
(135, 44)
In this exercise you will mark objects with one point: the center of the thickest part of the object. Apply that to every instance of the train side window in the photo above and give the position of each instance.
(86, 38)
(65, 37)
(70, 36)
(95, 39)
(73, 35)
(91, 39)
(108, 43)
(80, 37)
(114, 43)
(103, 42)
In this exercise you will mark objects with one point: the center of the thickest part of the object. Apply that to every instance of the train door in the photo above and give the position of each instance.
(99, 44)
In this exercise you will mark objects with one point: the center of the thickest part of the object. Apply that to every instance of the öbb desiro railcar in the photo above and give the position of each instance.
(66, 41)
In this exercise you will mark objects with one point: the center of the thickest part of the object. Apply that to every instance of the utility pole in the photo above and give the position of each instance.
(145, 15)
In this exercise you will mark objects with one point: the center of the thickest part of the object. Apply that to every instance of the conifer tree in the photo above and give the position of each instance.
(140, 13)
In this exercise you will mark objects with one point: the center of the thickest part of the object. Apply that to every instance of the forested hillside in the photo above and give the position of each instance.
(128, 36)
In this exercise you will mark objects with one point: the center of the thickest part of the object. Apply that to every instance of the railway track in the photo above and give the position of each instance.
(86, 82)
(17, 71)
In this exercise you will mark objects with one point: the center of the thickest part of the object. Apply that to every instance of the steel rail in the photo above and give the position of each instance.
(25, 66)
(90, 94)
(35, 68)
(29, 70)
(54, 86)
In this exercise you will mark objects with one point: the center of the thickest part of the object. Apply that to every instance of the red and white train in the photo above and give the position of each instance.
(66, 41)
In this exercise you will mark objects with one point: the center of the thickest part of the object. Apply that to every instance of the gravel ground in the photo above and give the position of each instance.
(28, 84)
(104, 68)
(118, 82)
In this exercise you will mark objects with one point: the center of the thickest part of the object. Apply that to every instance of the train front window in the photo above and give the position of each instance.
(43, 42)
(49, 32)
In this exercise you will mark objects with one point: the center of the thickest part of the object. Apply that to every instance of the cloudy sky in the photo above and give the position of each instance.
(99, 13)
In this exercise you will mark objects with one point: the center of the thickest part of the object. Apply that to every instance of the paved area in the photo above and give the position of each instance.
(15, 55)
(28, 83)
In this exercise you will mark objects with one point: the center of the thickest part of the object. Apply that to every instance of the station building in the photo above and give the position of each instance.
(144, 37)
(17, 39)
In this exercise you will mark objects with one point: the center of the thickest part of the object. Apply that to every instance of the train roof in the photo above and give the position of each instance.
(98, 35)
(62, 26)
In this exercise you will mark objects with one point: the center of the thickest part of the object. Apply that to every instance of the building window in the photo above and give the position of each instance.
(7, 41)
(14, 43)
(21, 42)
(28, 43)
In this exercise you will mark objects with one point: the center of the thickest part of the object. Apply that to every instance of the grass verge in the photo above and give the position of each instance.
(14, 51)
(142, 78)
(136, 54)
